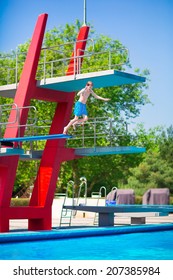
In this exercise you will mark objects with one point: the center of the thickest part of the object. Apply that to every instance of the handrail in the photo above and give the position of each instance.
(100, 194)
(97, 128)
(16, 122)
(83, 183)
(15, 66)
(2, 110)
(90, 134)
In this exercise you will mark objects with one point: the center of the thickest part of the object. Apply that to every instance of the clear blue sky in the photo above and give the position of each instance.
(145, 27)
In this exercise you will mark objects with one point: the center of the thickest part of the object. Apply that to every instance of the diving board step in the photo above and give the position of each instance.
(11, 151)
(98, 151)
(36, 137)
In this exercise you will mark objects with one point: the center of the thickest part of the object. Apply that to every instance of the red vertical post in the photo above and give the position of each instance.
(24, 93)
(55, 152)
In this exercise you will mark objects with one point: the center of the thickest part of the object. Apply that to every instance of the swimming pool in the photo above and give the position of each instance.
(145, 242)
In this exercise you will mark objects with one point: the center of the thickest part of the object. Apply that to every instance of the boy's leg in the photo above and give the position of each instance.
(70, 124)
(84, 119)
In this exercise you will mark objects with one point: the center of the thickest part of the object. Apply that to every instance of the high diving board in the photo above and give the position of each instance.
(36, 137)
(71, 83)
(100, 79)
(99, 151)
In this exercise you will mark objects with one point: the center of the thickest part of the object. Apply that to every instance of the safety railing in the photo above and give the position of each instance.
(55, 61)
(11, 66)
(15, 120)
(98, 132)
(88, 62)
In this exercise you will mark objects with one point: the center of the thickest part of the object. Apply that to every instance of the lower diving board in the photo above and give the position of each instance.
(35, 138)
(106, 213)
(98, 151)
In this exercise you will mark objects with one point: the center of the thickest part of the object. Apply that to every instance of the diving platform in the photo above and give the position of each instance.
(100, 79)
(100, 151)
(69, 83)
(95, 151)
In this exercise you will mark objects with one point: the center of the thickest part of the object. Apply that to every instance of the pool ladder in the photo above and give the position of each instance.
(81, 200)
(102, 189)
(67, 214)
(100, 196)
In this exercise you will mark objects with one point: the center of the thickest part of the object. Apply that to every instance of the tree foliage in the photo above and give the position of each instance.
(156, 169)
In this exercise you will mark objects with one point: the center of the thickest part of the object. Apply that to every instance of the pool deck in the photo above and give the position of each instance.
(85, 219)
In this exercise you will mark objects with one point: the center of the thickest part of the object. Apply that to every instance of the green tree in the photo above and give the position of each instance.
(152, 172)
(156, 168)
(166, 145)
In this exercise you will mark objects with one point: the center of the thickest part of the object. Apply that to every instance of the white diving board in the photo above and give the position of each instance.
(100, 79)
(36, 137)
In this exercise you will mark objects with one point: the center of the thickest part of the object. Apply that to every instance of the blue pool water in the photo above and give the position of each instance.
(154, 245)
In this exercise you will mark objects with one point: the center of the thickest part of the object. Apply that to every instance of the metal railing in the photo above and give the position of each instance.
(11, 66)
(6, 109)
(96, 132)
(55, 61)
(92, 62)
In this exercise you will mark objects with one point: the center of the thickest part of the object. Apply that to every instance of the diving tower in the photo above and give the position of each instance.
(54, 89)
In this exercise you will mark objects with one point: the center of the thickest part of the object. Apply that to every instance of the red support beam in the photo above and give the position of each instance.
(55, 153)
(24, 93)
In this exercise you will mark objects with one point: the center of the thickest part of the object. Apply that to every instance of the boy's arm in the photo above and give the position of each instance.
(99, 97)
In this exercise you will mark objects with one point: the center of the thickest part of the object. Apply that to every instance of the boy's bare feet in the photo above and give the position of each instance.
(65, 130)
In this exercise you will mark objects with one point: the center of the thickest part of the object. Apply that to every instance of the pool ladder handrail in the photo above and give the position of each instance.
(82, 184)
(97, 203)
(67, 213)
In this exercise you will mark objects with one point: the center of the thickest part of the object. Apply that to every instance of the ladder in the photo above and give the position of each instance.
(81, 200)
(102, 189)
(67, 214)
